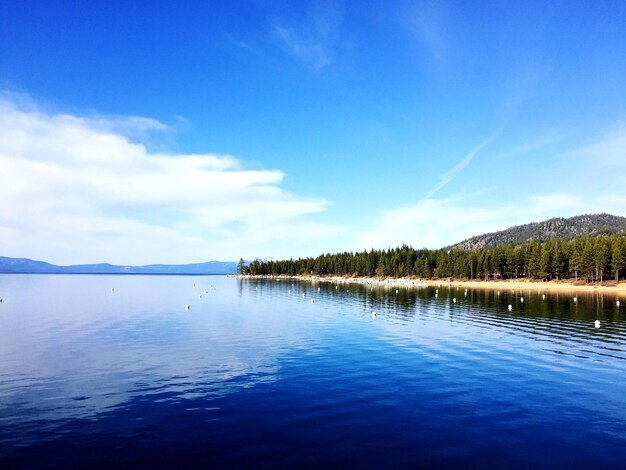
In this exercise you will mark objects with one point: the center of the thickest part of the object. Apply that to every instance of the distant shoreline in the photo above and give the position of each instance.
(517, 284)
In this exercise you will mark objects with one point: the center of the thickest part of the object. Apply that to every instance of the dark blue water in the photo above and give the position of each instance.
(256, 375)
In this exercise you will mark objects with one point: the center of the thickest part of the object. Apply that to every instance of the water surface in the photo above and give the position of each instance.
(282, 374)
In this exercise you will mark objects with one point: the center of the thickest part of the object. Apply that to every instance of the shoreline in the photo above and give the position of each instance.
(405, 282)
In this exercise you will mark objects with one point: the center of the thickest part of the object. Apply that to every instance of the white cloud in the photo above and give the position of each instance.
(433, 223)
(313, 39)
(77, 190)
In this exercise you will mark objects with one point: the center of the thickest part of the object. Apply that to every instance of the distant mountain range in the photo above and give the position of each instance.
(24, 265)
(581, 225)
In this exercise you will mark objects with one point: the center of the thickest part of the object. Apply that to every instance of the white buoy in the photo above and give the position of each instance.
(454, 300)
(510, 307)
(373, 314)
(575, 299)
(303, 295)
(396, 291)
(616, 302)
(436, 291)
(465, 294)
(112, 290)
(256, 288)
(318, 289)
(347, 291)
(186, 307)
(521, 299)
(200, 296)
(597, 323)
(498, 292)
(194, 285)
(289, 291)
(206, 291)
(312, 301)
(436, 295)
(543, 296)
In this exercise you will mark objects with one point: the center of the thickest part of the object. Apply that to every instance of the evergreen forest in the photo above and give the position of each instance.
(591, 259)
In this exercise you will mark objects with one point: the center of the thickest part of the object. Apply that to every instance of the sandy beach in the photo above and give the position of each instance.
(524, 285)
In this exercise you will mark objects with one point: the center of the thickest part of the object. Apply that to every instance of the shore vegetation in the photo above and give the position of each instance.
(585, 259)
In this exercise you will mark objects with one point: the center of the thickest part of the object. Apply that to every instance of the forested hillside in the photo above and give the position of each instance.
(565, 229)
(596, 258)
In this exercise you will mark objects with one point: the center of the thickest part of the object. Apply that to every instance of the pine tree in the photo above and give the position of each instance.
(618, 255)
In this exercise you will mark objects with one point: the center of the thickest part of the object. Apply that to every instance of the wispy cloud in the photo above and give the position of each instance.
(532, 146)
(76, 190)
(610, 149)
(312, 39)
(428, 21)
(449, 175)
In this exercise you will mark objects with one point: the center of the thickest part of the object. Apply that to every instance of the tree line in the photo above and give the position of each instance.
(593, 259)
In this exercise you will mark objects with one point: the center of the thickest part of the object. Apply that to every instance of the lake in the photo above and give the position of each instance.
(114, 370)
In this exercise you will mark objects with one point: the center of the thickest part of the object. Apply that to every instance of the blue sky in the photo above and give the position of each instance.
(138, 132)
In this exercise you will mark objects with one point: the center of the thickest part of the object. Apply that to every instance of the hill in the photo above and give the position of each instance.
(566, 229)
(25, 265)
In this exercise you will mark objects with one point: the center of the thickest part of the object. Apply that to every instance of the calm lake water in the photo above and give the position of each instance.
(254, 374)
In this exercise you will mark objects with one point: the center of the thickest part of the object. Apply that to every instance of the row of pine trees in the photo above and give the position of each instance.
(593, 259)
